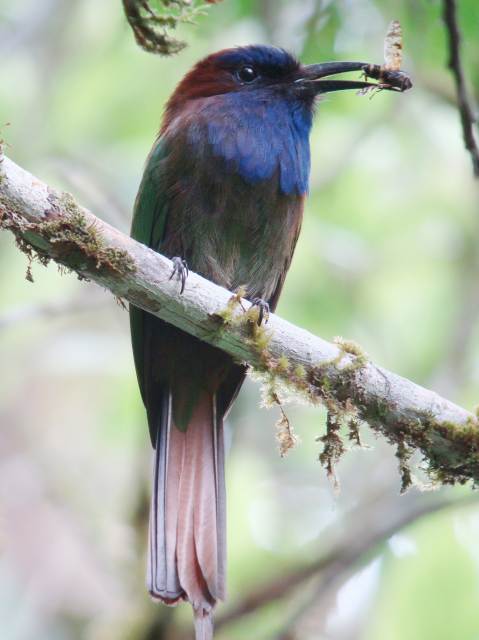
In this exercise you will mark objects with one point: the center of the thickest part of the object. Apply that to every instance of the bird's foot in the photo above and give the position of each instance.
(263, 308)
(180, 270)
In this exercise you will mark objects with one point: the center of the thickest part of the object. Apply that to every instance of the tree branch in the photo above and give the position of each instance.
(343, 553)
(50, 225)
(468, 118)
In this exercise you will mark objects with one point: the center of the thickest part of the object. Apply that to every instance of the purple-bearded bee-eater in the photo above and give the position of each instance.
(223, 193)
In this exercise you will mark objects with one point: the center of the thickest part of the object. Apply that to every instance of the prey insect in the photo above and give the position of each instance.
(389, 74)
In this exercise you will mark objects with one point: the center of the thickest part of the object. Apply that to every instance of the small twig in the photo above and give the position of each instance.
(455, 65)
(341, 556)
(358, 552)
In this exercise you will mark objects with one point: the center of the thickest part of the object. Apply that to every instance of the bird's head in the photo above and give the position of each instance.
(252, 107)
(259, 68)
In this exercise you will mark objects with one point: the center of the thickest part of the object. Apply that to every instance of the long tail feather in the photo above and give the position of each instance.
(162, 575)
(187, 518)
(203, 626)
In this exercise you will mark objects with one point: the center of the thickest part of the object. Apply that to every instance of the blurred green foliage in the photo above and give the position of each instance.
(388, 256)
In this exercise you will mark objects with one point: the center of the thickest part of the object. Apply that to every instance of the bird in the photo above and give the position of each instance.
(222, 194)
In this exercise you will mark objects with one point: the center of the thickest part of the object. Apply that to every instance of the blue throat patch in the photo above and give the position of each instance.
(258, 133)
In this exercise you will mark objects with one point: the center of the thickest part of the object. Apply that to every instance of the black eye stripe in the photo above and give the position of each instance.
(247, 74)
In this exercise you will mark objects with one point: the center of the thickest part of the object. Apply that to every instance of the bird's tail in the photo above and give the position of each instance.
(186, 558)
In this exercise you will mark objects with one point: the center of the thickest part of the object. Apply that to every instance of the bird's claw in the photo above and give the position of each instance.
(180, 269)
(263, 308)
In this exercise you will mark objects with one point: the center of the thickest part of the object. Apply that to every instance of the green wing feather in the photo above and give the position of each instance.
(148, 226)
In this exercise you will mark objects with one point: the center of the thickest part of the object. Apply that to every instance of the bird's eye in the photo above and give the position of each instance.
(247, 74)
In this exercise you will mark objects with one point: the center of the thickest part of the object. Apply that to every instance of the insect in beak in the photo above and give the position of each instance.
(388, 75)
(313, 77)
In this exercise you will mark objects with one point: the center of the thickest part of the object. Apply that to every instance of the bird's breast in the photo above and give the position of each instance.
(233, 213)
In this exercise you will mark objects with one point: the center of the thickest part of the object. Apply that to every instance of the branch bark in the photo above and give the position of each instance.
(50, 225)
(468, 117)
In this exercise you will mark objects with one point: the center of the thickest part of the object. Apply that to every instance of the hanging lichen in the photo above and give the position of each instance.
(333, 447)
(153, 20)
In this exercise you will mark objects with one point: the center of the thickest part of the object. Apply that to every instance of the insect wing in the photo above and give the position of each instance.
(393, 46)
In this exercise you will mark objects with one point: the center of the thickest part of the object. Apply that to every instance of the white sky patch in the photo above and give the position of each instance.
(402, 545)
(353, 597)
(298, 518)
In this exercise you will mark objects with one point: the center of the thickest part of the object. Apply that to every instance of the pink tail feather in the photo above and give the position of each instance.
(187, 519)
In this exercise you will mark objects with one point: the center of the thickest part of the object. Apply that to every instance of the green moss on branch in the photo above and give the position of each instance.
(66, 236)
(450, 451)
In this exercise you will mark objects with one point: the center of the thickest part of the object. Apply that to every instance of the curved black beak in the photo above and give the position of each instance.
(312, 77)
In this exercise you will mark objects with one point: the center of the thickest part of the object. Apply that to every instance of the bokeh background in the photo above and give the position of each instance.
(388, 257)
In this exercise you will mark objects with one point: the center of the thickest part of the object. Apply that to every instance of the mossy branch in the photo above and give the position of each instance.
(152, 22)
(50, 225)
